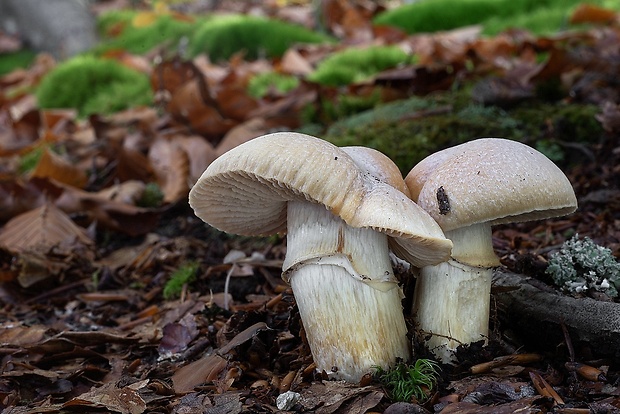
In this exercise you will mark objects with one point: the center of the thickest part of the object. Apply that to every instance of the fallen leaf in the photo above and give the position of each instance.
(241, 133)
(591, 13)
(340, 397)
(21, 335)
(55, 167)
(122, 400)
(206, 369)
(242, 337)
(170, 164)
(295, 64)
(45, 226)
(189, 108)
(528, 405)
(200, 153)
(128, 192)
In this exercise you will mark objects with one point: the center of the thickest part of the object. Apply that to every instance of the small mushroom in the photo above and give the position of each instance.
(467, 189)
(340, 208)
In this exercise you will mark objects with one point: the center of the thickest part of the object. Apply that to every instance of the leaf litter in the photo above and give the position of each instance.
(83, 261)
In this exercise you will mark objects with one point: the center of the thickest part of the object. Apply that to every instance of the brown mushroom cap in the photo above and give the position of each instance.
(246, 190)
(490, 180)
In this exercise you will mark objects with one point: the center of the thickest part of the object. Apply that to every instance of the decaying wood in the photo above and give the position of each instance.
(539, 311)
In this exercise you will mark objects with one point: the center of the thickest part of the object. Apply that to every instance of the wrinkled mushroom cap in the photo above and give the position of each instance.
(245, 191)
(490, 180)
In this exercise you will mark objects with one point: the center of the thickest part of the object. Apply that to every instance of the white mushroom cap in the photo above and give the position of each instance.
(246, 190)
(490, 180)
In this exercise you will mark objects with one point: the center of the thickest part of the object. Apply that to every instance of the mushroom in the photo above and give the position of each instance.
(339, 208)
(467, 189)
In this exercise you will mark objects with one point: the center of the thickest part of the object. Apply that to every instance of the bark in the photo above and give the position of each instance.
(536, 312)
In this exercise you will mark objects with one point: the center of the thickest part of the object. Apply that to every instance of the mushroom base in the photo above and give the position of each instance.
(348, 298)
(451, 303)
(351, 327)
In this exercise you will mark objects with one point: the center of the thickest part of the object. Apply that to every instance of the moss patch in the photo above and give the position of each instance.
(93, 85)
(539, 16)
(15, 60)
(262, 83)
(355, 65)
(166, 30)
(391, 129)
(223, 36)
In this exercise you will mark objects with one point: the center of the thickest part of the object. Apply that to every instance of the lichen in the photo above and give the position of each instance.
(582, 265)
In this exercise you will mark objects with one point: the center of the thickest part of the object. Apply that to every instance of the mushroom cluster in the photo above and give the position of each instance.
(467, 189)
(342, 210)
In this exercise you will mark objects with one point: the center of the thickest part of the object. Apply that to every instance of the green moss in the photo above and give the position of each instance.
(545, 21)
(262, 83)
(223, 36)
(182, 276)
(539, 16)
(165, 30)
(93, 85)
(15, 60)
(113, 20)
(390, 129)
(345, 106)
(151, 197)
(434, 15)
(407, 381)
(355, 65)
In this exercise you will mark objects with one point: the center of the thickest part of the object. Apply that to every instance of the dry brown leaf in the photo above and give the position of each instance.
(235, 103)
(23, 132)
(21, 335)
(128, 192)
(188, 107)
(44, 226)
(17, 196)
(170, 75)
(591, 13)
(125, 400)
(527, 405)
(339, 397)
(171, 167)
(241, 133)
(350, 19)
(206, 369)
(286, 112)
(58, 119)
(200, 153)
(242, 337)
(132, 164)
(55, 167)
(295, 64)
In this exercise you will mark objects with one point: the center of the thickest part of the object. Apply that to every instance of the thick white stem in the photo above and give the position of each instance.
(452, 299)
(348, 299)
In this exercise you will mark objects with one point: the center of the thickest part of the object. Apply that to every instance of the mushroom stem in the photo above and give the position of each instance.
(344, 286)
(452, 299)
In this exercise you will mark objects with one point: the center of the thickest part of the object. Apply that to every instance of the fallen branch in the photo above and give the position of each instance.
(539, 313)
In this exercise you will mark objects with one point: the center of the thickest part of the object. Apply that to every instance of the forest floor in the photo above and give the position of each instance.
(91, 322)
